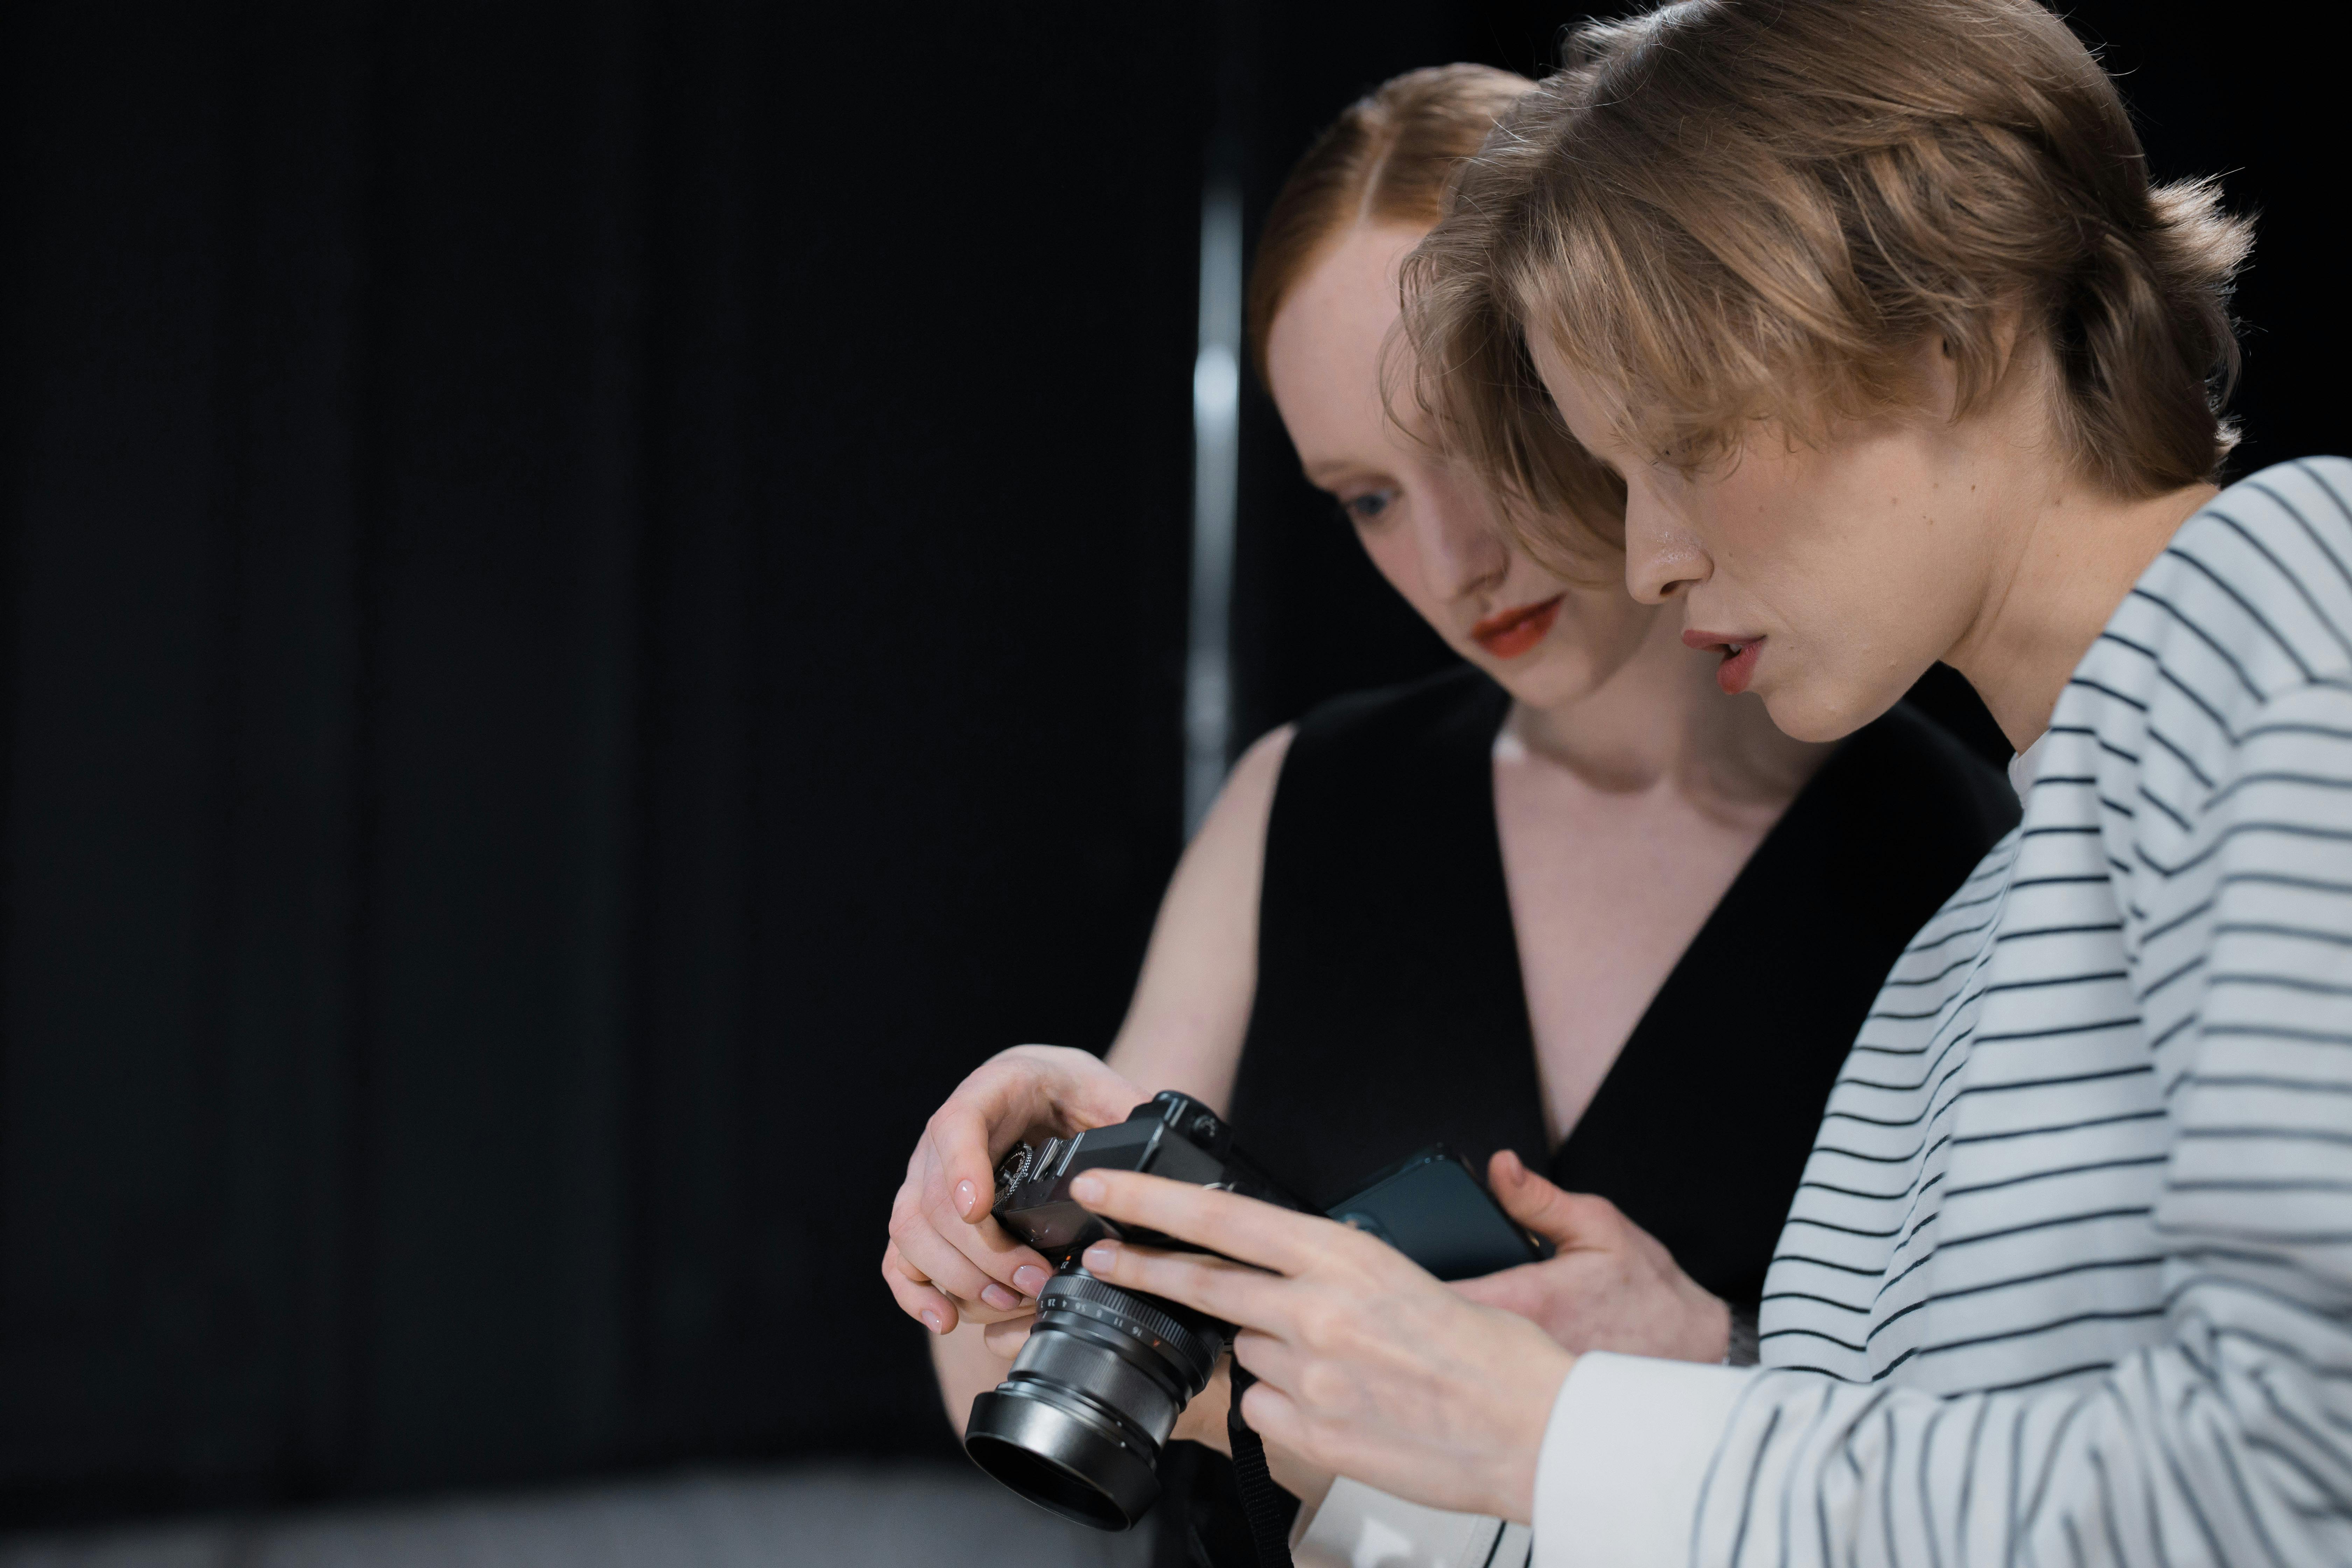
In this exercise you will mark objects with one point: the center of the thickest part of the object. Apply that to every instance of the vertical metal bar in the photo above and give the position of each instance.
(1217, 462)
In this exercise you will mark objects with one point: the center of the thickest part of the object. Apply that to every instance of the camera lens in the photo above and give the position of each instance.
(1078, 1424)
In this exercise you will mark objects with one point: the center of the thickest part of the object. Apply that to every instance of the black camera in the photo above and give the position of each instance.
(1078, 1424)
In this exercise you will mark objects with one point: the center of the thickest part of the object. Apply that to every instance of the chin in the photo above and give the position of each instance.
(1805, 712)
(1543, 683)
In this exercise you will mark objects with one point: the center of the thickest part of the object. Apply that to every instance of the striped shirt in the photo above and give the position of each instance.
(2069, 1279)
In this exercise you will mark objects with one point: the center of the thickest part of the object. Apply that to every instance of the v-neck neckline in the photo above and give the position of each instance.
(1763, 861)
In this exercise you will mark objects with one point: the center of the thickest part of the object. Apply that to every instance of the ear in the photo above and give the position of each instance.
(1934, 373)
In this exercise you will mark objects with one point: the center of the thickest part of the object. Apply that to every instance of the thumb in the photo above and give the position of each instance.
(1566, 1220)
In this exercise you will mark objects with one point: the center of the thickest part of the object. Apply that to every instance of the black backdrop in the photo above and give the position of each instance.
(592, 610)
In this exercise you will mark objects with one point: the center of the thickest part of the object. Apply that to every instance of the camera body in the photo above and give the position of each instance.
(1078, 1424)
(1170, 1135)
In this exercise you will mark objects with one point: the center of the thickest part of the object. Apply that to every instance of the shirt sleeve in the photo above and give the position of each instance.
(2228, 1442)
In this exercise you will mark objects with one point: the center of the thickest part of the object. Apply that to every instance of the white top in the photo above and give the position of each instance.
(2069, 1277)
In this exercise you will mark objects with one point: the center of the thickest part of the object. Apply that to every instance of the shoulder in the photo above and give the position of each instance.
(1231, 840)
(2247, 606)
(1363, 767)
(1248, 794)
(2253, 594)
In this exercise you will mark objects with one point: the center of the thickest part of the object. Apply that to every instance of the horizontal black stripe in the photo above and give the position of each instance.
(2019, 1282)
(2286, 879)
(2312, 781)
(2055, 1172)
(2276, 1031)
(1914, 1152)
(2038, 1379)
(1811, 1334)
(2132, 1314)
(2295, 933)
(2284, 982)
(2271, 1081)
(2051, 1222)
(2275, 1134)
(2056, 1128)
(2087, 930)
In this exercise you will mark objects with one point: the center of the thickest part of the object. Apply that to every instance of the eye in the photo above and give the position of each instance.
(1367, 509)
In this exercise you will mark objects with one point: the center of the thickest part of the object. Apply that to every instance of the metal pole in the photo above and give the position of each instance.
(1216, 465)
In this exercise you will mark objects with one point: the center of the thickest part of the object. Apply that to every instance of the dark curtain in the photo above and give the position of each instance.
(593, 611)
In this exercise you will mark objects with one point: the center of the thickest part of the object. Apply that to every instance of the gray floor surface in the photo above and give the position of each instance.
(839, 1516)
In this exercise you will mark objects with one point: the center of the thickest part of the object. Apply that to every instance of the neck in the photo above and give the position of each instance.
(2073, 556)
(1661, 719)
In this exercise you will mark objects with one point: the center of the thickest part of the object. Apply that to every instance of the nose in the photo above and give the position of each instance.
(1461, 552)
(1663, 560)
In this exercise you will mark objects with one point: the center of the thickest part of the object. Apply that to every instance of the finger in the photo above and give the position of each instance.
(1517, 1290)
(1243, 1228)
(918, 1299)
(1005, 1339)
(988, 1246)
(928, 1256)
(1026, 1086)
(1269, 1358)
(1563, 1219)
(1277, 1418)
(990, 1108)
(1221, 1288)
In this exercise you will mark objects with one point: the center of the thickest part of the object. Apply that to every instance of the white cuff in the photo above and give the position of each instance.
(1617, 1479)
(1361, 1527)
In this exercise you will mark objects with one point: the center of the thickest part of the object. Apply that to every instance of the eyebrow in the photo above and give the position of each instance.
(1323, 476)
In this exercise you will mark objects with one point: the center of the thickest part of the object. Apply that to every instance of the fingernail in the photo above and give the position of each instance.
(966, 1196)
(998, 1297)
(935, 1320)
(1029, 1279)
(1100, 1256)
(1088, 1188)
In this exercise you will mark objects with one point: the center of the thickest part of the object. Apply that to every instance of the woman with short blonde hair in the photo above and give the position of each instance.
(1902, 356)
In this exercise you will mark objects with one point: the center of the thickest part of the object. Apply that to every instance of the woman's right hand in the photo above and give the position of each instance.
(947, 1259)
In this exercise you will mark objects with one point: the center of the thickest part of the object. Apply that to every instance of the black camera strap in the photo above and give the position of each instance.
(1261, 1500)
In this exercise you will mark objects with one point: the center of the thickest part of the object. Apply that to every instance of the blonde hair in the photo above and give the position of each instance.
(1735, 211)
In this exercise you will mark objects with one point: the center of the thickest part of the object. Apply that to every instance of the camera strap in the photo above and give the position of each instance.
(1261, 1500)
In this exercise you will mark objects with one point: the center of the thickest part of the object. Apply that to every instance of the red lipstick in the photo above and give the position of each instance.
(1739, 656)
(1507, 634)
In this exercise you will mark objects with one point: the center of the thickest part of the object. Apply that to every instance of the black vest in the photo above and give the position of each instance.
(1390, 1014)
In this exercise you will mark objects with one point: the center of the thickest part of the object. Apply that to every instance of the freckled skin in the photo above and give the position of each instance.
(2017, 564)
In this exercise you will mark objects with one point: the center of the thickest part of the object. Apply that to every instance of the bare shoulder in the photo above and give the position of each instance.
(1247, 799)
(1192, 1006)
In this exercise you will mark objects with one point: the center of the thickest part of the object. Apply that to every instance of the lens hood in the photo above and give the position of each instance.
(1064, 1452)
(1078, 1426)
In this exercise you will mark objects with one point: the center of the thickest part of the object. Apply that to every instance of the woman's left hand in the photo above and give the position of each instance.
(1367, 1366)
(1609, 1285)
